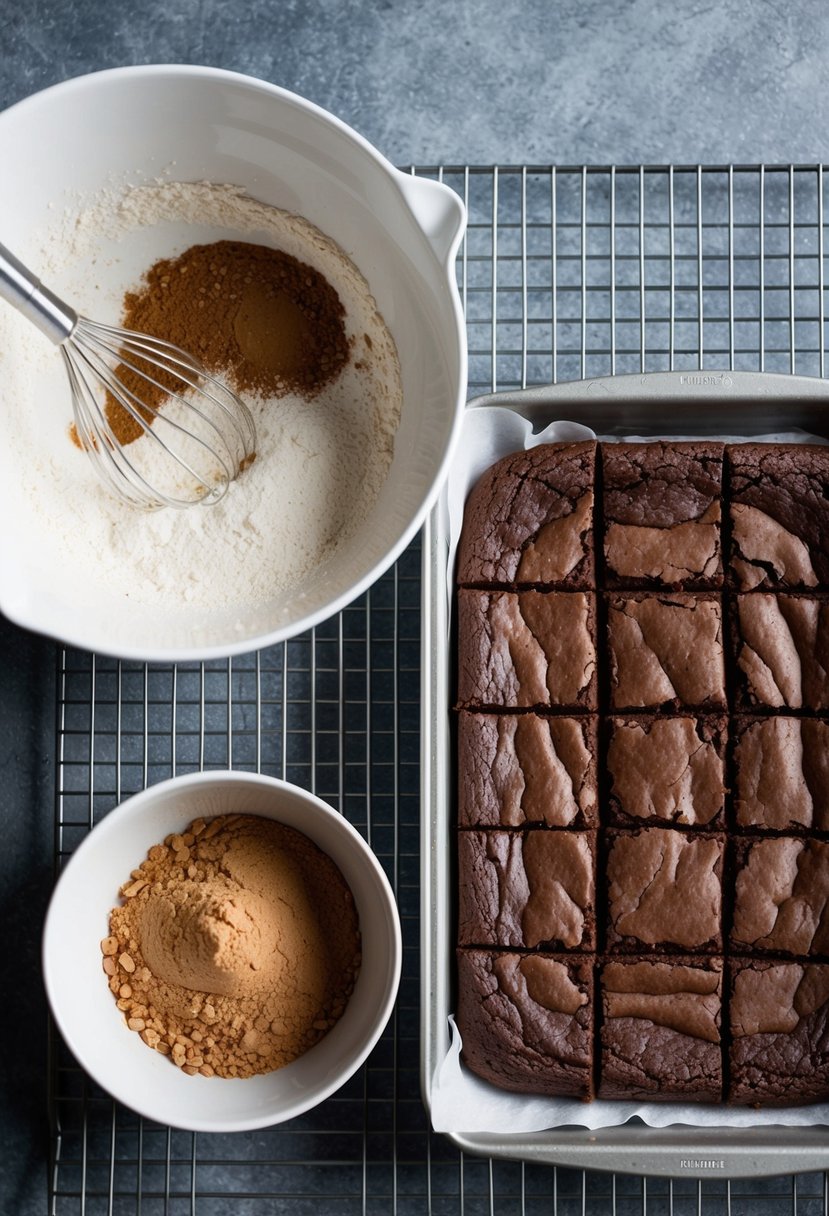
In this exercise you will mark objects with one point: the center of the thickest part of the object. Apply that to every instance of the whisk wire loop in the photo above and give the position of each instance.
(159, 429)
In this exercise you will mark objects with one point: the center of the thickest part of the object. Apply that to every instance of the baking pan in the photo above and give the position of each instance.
(660, 403)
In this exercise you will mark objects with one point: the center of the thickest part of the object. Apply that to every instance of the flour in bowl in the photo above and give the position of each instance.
(320, 463)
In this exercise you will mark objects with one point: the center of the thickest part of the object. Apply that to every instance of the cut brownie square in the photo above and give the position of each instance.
(515, 769)
(781, 768)
(664, 891)
(667, 769)
(781, 647)
(781, 896)
(662, 510)
(527, 889)
(779, 515)
(526, 1021)
(529, 520)
(666, 652)
(779, 1034)
(530, 649)
(660, 1035)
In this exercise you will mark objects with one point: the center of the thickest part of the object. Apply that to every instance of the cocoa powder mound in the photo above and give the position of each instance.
(269, 322)
(236, 947)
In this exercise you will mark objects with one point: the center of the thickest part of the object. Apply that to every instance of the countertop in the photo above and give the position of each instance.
(472, 81)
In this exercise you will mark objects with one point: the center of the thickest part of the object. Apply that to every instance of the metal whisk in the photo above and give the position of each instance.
(160, 430)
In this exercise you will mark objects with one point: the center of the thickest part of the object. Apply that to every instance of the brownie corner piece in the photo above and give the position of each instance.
(663, 514)
(528, 520)
(519, 769)
(666, 651)
(664, 891)
(778, 1021)
(779, 516)
(666, 770)
(660, 1029)
(526, 1021)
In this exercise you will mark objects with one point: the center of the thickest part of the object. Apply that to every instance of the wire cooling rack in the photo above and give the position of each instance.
(564, 273)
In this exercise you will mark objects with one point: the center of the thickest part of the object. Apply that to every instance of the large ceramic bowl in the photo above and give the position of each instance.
(193, 124)
(85, 1010)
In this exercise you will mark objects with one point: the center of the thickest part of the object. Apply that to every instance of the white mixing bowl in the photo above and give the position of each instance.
(193, 124)
(85, 1009)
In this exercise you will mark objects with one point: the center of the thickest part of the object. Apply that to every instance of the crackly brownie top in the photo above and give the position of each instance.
(529, 519)
(781, 902)
(526, 1020)
(662, 513)
(667, 768)
(774, 998)
(683, 997)
(526, 888)
(782, 773)
(666, 650)
(779, 515)
(522, 768)
(782, 649)
(525, 649)
(778, 1017)
(664, 889)
(660, 1032)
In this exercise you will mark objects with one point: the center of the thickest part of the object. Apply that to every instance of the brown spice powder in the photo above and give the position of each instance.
(269, 322)
(236, 947)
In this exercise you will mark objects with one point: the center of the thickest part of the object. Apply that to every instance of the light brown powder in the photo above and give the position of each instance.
(236, 947)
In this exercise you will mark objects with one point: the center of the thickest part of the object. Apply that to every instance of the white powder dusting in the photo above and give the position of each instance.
(320, 463)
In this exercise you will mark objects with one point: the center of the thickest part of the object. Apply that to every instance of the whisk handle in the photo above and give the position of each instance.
(28, 295)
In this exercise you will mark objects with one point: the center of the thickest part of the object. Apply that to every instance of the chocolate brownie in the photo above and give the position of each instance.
(779, 1054)
(662, 514)
(781, 648)
(664, 891)
(526, 1021)
(781, 769)
(526, 649)
(529, 520)
(666, 652)
(526, 889)
(779, 515)
(781, 896)
(515, 769)
(660, 1031)
(667, 769)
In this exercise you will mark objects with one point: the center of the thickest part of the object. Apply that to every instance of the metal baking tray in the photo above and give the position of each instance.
(661, 403)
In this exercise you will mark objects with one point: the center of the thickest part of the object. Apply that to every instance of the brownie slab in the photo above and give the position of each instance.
(666, 769)
(662, 514)
(779, 1054)
(665, 652)
(779, 515)
(529, 520)
(660, 1036)
(664, 891)
(526, 649)
(781, 768)
(526, 889)
(781, 649)
(526, 1021)
(781, 896)
(515, 769)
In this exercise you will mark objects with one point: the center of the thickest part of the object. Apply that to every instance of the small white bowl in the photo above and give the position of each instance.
(85, 1010)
